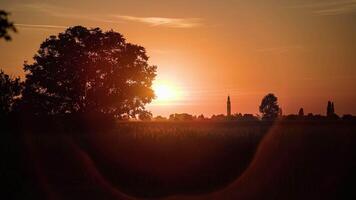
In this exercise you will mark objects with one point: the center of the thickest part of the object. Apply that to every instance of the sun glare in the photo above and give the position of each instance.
(166, 93)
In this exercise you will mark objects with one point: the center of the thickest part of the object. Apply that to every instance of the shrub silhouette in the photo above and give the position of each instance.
(87, 70)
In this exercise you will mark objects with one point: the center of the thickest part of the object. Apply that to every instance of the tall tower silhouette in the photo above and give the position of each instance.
(228, 106)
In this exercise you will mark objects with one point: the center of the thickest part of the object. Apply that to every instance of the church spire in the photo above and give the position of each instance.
(228, 105)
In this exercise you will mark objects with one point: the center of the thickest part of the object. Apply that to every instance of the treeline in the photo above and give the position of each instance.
(220, 117)
(269, 109)
(246, 117)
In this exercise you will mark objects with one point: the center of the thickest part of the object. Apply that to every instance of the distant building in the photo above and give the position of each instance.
(228, 107)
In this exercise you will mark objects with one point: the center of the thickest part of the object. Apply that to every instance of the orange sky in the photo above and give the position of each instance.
(303, 51)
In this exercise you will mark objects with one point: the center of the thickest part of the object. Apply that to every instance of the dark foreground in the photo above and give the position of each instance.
(186, 160)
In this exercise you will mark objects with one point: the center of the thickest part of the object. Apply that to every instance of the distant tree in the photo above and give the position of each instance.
(181, 117)
(10, 89)
(237, 116)
(301, 112)
(172, 117)
(244, 117)
(219, 117)
(201, 117)
(269, 107)
(249, 117)
(6, 26)
(160, 118)
(145, 115)
(291, 117)
(87, 70)
(348, 117)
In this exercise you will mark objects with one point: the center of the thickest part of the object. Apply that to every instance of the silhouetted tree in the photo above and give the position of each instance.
(219, 117)
(10, 89)
(6, 26)
(269, 107)
(249, 117)
(291, 117)
(349, 117)
(181, 117)
(201, 117)
(145, 115)
(301, 112)
(160, 118)
(236, 116)
(87, 70)
(244, 117)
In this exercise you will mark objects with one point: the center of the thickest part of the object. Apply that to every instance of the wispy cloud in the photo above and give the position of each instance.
(40, 26)
(280, 49)
(331, 7)
(62, 12)
(164, 21)
(69, 13)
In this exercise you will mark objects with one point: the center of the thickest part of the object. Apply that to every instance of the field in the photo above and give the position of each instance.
(186, 160)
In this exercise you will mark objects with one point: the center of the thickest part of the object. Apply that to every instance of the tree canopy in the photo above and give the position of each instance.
(88, 70)
(269, 107)
(5, 25)
(10, 89)
(145, 116)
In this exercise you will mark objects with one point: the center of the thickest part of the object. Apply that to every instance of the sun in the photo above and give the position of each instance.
(166, 92)
(163, 92)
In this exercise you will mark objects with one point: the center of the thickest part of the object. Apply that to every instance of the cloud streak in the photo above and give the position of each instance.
(62, 12)
(69, 13)
(331, 7)
(164, 21)
(40, 26)
(280, 49)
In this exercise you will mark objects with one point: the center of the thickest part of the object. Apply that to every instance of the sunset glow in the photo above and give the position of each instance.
(178, 99)
(302, 51)
(166, 93)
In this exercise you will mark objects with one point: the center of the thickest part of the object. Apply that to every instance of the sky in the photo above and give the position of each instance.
(302, 51)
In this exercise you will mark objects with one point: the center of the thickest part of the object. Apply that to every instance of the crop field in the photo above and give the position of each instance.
(179, 159)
